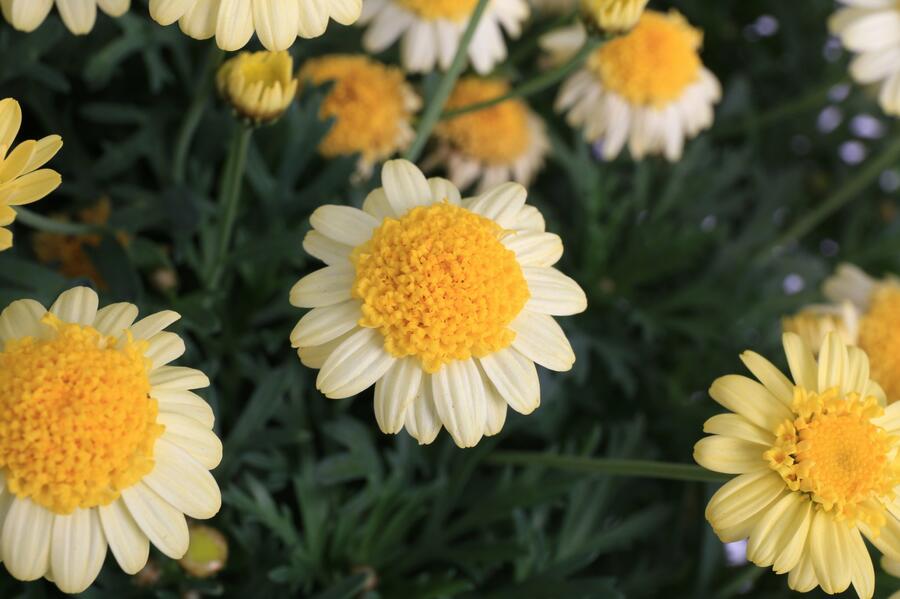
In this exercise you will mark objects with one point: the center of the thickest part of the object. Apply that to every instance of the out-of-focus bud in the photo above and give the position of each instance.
(260, 86)
(149, 575)
(164, 279)
(814, 323)
(207, 553)
(613, 16)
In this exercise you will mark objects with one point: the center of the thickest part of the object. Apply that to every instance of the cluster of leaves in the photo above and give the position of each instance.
(685, 265)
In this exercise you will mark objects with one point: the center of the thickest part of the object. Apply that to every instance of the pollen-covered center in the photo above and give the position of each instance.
(834, 452)
(439, 285)
(368, 102)
(879, 337)
(77, 424)
(450, 10)
(654, 63)
(495, 135)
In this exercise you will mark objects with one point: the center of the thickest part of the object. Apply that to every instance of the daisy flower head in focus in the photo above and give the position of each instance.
(431, 30)
(371, 103)
(871, 30)
(817, 462)
(444, 304)
(102, 443)
(259, 86)
(78, 15)
(504, 142)
(22, 180)
(647, 89)
(276, 23)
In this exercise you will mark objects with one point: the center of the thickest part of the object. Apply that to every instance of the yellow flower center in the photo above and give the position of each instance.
(77, 424)
(439, 285)
(879, 337)
(495, 135)
(431, 10)
(369, 103)
(834, 453)
(654, 63)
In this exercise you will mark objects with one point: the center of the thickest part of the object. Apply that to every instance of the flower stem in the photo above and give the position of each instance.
(195, 112)
(229, 201)
(534, 85)
(50, 225)
(436, 105)
(611, 467)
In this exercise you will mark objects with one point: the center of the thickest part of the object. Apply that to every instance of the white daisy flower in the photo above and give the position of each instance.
(78, 15)
(443, 303)
(277, 23)
(431, 30)
(871, 29)
(505, 142)
(102, 443)
(647, 89)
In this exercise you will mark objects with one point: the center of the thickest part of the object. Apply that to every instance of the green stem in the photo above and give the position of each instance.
(50, 225)
(436, 105)
(610, 467)
(851, 189)
(229, 201)
(534, 85)
(195, 112)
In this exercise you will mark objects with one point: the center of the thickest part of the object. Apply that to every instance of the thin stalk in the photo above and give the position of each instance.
(534, 85)
(194, 113)
(433, 112)
(851, 189)
(610, 467)
(49, 225)
(229, 201)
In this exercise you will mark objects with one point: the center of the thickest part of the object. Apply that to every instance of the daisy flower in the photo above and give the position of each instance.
(102, 443)
(371, 103)
(814, 322)
(505, 142)
(647, 89)
(22, 180)
(78, 15)
(277, 23)
(431, 30)
(444, 304)
(817, 464)
(871, 30)
(260, 86)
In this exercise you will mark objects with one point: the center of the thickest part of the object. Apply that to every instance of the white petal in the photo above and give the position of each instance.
(553, 293)
(502, 204)
(459, 397)
(22, 318)
(177, 378)
(404, 185)
(164, 525)
(164, 348)
(355, 365)
(127, 542)
(495, 411)
(197, 440)
(515, 378)
(443, 190)
(801, 361)
(540, 339)
(234, 26)
(77, 550)
(345, 224)
(184, 403)
(276, 23)
(833, 364)
(535, 248)
(113, 319)
(326, 249)
(324, 287)
(423, 422)
(153, 324)
(25, 544)
(394, 392)
(321, 325)
(377, 205)
(77, 305)
(183, 482)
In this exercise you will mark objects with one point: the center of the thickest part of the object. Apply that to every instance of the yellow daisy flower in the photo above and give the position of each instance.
(432, 29)
(813, 323)
(371, 103)
(817, 459)
(260, 86)
(78, 15)
(868, 28)
(277, 23)
(613, 15)
(647, 89)
(505, 142)
(102, 443)
(22, 180)
(443, 303)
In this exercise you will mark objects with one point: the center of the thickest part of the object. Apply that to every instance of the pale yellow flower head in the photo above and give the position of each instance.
(813, 323)
(22, 180)
(614, 16)
(260, 86)
(79, 16)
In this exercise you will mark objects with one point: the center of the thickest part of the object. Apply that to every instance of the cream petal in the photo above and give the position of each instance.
(115, 318)
(164, 348)
(779, 536)
(887, 541)
(24, 15)
(423, 422)
(324, 287)
(234, 26)
(857, 371)
(164, 525)
(166, 12)
(321, 325)
(502, 204)
(345, 12)
(313, 19)
(22, 318)
(530, 219)
(276, 23)
(730, 455)
(735, 425)
(394, 392)
(355, 365)
(377, 205)
(153, 324)
(803, 577)
(891, 566)
(772, 378)
(127, 542)
(801, 361)
(344, 224)
(177, 378)
(326, 249)
(515, 379)
(315, 355)
(114, 8)
(404, 185)
(200, 21)
(751, 400)
(495, 412)
(890, 422)
(77, 550)
(828, 546)
(535, 248)
(540, 338)
(78, 15)
(183, 482)
(10, 111)
(443, 190)
(25, 542)
(184, 403)
(459, 397)
(197, 440)
(738, 505)
(833, 364)
(77, 305)
(862, 572)
(33, 186)
(552, 292)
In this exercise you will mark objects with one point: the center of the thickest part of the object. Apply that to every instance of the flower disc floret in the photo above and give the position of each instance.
(439, 285)
(879, 337)
(77, 424)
